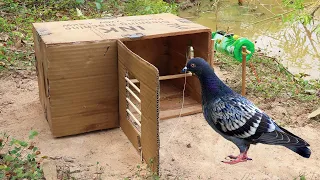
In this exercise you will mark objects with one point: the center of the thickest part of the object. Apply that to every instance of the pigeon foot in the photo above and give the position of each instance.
(236, 159)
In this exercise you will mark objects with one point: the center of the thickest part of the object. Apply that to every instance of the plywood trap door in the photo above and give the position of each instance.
(142, 130)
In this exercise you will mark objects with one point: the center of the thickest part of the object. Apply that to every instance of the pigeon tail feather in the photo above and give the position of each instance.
(302, 151)
(291, 134)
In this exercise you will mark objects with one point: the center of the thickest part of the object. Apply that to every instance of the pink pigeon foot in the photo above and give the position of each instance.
(236, 159)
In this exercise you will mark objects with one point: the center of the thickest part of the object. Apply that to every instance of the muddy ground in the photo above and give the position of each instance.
(194, 152)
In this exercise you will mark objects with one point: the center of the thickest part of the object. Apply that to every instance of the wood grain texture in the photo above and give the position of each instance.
(178, 46)
(41, 66)
(155, 51)
(77, 84)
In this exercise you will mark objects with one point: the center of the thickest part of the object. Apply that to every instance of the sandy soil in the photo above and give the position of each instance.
(194, 152)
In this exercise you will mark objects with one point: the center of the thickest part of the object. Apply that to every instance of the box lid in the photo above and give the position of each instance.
(147, 26)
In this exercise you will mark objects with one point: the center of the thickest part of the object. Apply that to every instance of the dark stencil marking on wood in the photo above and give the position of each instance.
(183, 20)
(179, 26)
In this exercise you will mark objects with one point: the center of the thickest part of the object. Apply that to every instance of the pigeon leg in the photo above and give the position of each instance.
(235, 157)
(241, 158)
(232, 157)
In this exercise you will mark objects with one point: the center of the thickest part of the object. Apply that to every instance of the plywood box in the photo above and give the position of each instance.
(85, 68)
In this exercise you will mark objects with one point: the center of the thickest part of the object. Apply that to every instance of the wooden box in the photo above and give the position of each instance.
(85, 68)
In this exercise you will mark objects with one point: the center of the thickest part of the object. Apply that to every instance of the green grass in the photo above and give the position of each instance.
(20, 159)
(149, 7)
(17, 16)
(268, 78)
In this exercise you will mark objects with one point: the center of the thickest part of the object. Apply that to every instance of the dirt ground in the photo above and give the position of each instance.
(194, 152)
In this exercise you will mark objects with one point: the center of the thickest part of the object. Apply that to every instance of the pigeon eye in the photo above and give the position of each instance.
(193, 65)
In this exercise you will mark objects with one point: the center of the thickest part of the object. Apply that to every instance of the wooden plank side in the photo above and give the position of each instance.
(79, 82)
(81, 123)
(83, 60)
(148, 75)
(155, 51)
(85, 107)
(39, 68)
(150, 123)
(178, 46)
(136, 68)
(41, 65)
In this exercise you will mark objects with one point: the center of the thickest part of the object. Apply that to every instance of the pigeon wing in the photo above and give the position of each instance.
(236, 116)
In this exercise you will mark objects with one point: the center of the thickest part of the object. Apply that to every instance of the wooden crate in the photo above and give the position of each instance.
(84, 67)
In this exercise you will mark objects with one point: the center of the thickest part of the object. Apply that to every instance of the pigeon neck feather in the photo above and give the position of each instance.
(212, 87)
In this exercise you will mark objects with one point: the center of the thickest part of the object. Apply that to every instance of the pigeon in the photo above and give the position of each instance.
(236, 118)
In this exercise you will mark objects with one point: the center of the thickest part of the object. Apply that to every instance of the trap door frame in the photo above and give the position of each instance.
(146, 140)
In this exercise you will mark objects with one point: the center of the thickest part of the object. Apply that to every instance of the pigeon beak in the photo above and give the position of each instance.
(184, 70)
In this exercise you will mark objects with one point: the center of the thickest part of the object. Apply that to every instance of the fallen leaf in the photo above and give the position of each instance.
(310, 91)
(314, 113)
(26, 42)
(79, 13)
(59, 15)
(4, 37)
(2, 63)
(18, 44)
(18, 34)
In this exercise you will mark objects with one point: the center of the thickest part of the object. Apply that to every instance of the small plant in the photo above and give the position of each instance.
(98, 3)
(98, 172)
(145, 172)
(20, 159)
(301, 177)
(141, 7)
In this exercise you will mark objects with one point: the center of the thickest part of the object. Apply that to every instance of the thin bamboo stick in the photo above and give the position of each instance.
(133, 94)
(244, 59)
(133, 105)
(132, 84)
(175, 76)
(133, 117)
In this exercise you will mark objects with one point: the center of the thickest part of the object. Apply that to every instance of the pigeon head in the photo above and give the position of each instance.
(197, 66)
(211, 85)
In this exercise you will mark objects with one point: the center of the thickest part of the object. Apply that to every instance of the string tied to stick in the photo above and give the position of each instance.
(189, 55)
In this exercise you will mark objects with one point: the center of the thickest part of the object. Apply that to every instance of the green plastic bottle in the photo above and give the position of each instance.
(231, 45)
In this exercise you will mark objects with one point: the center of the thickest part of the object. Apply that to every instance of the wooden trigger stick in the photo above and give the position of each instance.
(244, 59)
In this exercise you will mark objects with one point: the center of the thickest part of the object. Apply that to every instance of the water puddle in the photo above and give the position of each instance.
(296, 46)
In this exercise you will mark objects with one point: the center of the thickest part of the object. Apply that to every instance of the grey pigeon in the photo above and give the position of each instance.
(236, 118)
